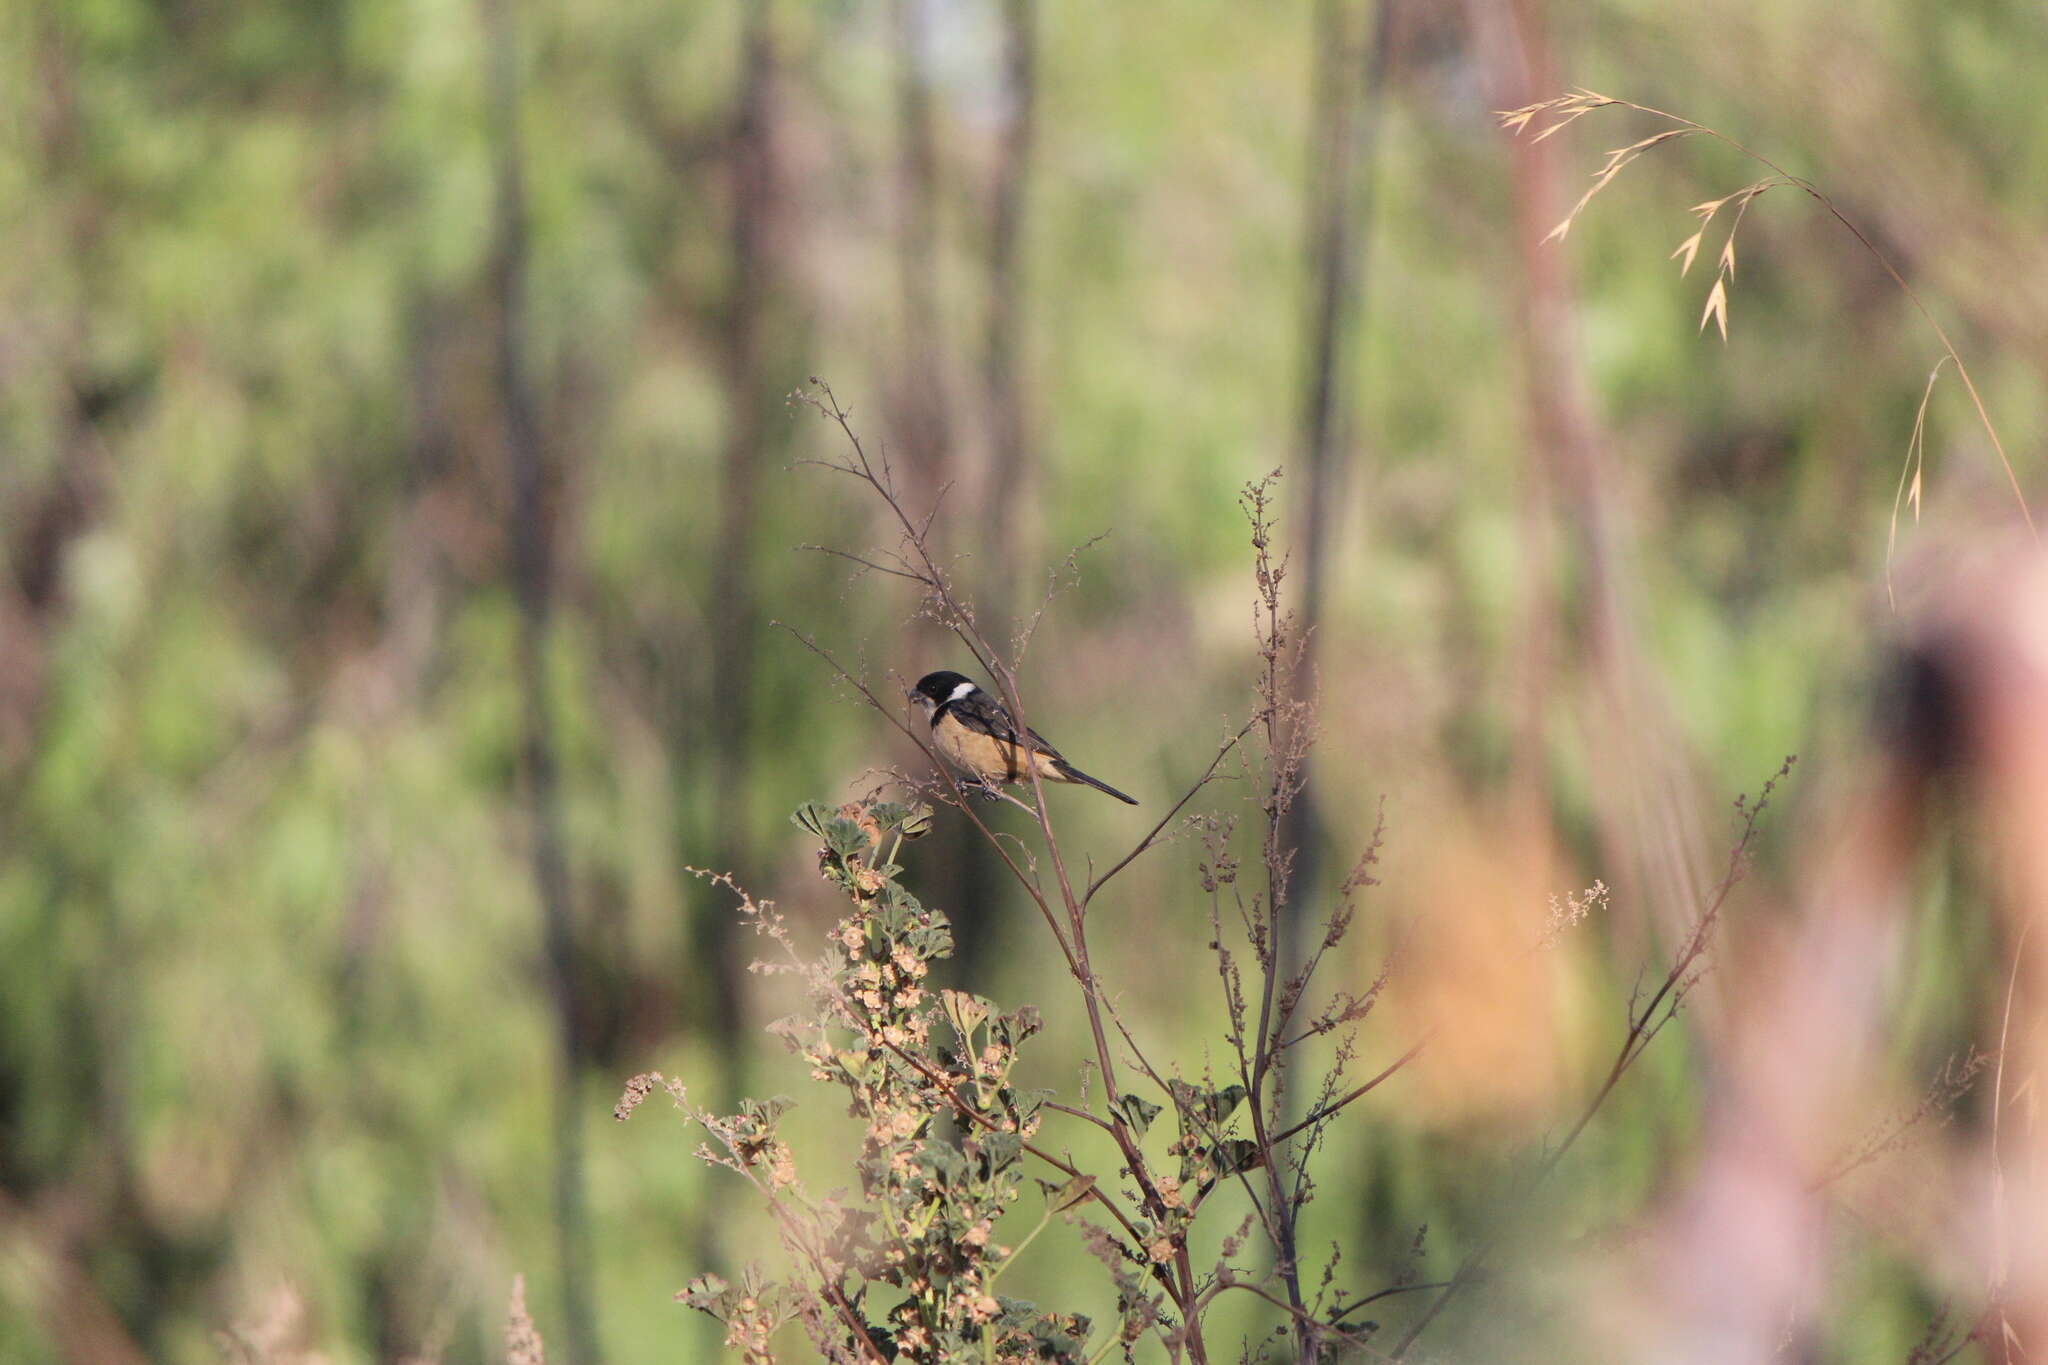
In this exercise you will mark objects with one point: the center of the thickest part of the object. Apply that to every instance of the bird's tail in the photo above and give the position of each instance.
(1074, 774)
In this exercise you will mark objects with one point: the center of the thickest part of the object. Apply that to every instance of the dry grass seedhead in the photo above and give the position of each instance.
(1910, 479)
(1552, 115)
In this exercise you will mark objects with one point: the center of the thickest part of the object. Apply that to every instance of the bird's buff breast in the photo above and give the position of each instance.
(985, 756)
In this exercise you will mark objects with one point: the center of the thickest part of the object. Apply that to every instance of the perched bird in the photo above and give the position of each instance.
(972, 731)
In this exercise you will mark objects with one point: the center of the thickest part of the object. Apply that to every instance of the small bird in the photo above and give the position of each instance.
(972, 731)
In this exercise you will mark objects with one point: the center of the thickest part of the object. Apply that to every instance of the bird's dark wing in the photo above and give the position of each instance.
(981, 712)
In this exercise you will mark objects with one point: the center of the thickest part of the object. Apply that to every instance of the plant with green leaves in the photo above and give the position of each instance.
(911, 1268)
(910, 1061)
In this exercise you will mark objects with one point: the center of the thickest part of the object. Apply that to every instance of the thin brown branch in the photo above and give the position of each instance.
(863, 561)
(1325, 1111)
(1645, 1022)
(1152, 835)
(1309, 1325)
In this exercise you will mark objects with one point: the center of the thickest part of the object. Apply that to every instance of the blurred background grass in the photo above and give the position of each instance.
(275, 1008)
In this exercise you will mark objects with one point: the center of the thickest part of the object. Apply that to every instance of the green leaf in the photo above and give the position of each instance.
(1237, 1154)
(766, 1112)
(1205, 1111)
(845, 837)
(1012, 1029)
(1060, 1199)
(966, 1013)
(1138, 1112)
(707, 1294)
(998, 1151)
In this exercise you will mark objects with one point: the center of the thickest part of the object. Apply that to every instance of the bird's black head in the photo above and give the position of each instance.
(934, 690)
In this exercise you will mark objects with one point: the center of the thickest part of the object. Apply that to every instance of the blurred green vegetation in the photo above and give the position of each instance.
(273, 1001)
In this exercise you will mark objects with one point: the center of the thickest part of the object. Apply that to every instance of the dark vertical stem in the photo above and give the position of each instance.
(756, 339)
(923, 420)
(532, 573)
(44, 524)
(1327, 251)
(734, 614)
(966, 874)
(1350, 74)
(1003, 349)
